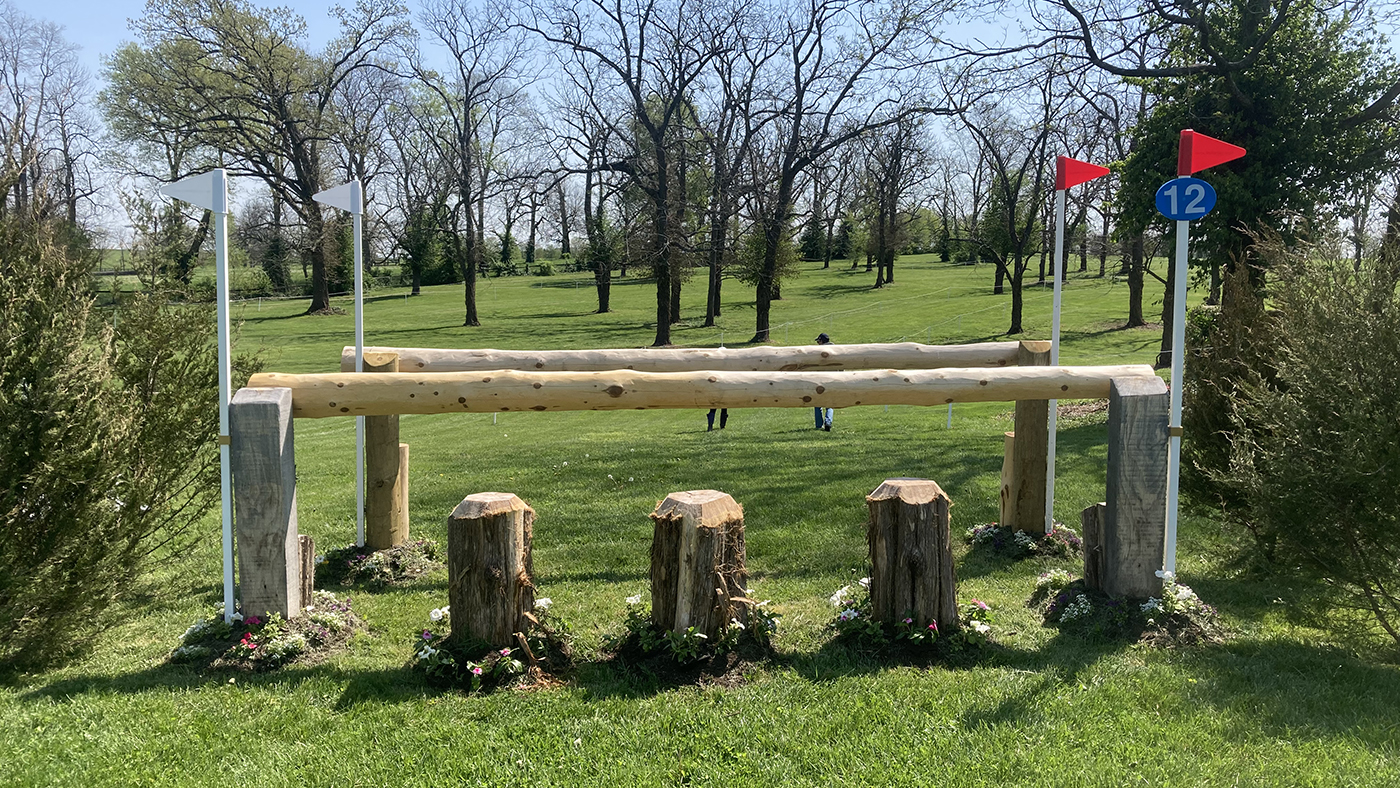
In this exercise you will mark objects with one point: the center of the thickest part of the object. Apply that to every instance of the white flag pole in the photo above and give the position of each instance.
(1178, 366)
(209, 191)
(1055, 357)
(350, 197)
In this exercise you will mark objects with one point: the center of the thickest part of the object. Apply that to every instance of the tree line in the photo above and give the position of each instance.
(706, 142)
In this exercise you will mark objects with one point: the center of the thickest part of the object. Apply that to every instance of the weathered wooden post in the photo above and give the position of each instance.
(1026, 491)
(265, 501)
(1091, 524)
(490, 579)
(306, 577)
(698, 577)
(911, 553)
(1134, 517)
(1006, 514)
(386, 470)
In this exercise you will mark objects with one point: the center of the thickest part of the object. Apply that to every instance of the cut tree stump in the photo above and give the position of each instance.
(490, 584)
(386, 471)
(265, 501)
(1032, 431)
(306, 548)
(911, 553)
(698, 577)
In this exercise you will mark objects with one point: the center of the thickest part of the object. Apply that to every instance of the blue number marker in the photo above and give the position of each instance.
(1185, 199)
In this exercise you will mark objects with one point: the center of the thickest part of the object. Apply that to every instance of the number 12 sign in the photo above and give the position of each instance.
(1184, 199)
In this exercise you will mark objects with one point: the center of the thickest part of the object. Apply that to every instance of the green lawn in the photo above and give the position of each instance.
(1281, 703)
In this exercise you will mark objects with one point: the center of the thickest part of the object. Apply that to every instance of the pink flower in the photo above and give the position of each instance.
(908, 620)
(979, 603)
(933, 625)
(476, 671)
(427, 635)
(253, 621)
(505, 652)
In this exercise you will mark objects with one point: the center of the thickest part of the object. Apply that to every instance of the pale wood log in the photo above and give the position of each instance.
(1091, 522)
(911, 553)
(698, 578)
(386, 516)
(263, 462)
(1032, 445)
(490, 585)
(1135, 514)
(306, 549)
(898, 355)
(1008, 479)
(349, 394)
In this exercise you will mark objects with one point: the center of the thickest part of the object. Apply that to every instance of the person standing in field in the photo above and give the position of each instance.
(824, 419)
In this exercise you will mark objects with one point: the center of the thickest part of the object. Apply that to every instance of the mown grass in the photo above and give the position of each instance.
(1283, 702)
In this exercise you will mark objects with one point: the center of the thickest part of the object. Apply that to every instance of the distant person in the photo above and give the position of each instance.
(824, 420)
(723, 418)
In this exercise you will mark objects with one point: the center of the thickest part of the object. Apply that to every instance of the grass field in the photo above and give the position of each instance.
(1286, 701)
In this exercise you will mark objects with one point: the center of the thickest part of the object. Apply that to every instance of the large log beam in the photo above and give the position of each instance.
(382, 394)
(898, 355)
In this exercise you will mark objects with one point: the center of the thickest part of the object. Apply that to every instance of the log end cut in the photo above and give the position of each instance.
(704, 508)
(912, 491)
(488, 504)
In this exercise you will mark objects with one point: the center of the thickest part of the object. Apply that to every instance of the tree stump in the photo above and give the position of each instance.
(490, 584)
(698, 577)
(911, 553)
(386, 471)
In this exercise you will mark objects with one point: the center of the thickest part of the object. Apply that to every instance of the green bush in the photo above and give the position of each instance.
(108, 455)
(1315, 456)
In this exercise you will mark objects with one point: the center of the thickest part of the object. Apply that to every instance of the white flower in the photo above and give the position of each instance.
(610, 476)
(1184, 593)
(1152, 605)
(543, 603)
(848, 614)
(320, 559)
(566, 463)
(435, 614)
(629, 478)
(237, 618)
(981, 627)
(634, 600)
(839, 598)
(310, 608)
(702, 636)
(864, 582)
(1166, 575)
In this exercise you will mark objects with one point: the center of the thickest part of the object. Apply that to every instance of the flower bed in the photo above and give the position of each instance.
(1061, 542)
(1177, 617)
(264, 642)
(360, 566)
(691, 656)
(543, 654)
(909, 636)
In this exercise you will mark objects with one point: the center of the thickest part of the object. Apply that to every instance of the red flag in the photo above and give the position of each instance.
(1072, 172)
(1198, 152)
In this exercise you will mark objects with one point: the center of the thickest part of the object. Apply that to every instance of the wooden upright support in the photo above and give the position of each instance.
(386, 471)
(911, 553)
(1032, 435)
(490, 579)
(265, 501)
(1135, 517)
(698, 578)
(306, 581)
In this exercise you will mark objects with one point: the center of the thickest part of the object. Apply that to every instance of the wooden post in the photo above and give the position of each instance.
(1032, 443)
(265, 501)
(698, 577)
(1091, 521)
(911, 553)
(1007, 511)
(490, 584)
(386, 471)
(306, 549)
(1135, 515)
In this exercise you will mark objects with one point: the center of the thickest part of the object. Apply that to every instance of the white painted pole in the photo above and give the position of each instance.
(1055, 357)
(1178, 366)
(220, 211)
(357, 211)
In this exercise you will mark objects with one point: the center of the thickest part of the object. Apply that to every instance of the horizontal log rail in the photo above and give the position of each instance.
(896, 355)
(383, 394)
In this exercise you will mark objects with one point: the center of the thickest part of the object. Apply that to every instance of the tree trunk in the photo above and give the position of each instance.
(1164, 355)
(1135, 267)
(698, 577)
(320, 284)
(564, 222)
(911, 554)
(490, 579)
(1017, 276)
